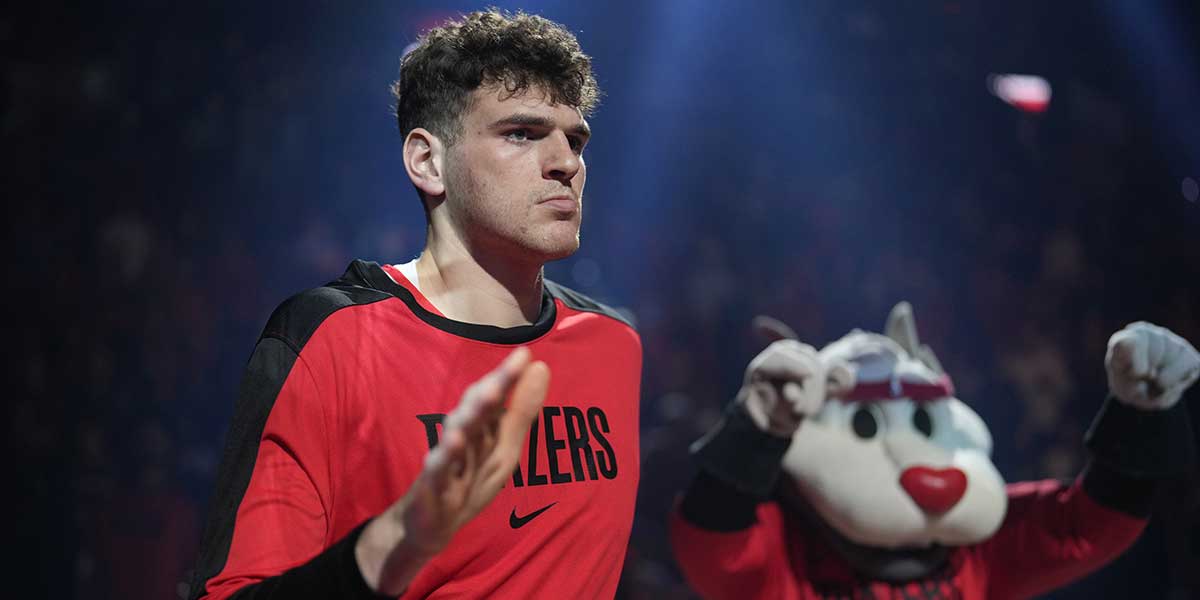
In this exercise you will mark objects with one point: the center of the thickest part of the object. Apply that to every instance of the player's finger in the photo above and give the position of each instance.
(511, 367)
(482, 443)
(441, 462)
(495, 385)
(525, 401)
(524, 404)
(466, 413)
(483, 399)
(468, 466)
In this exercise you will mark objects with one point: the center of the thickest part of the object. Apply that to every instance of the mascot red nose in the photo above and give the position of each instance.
(856, 472)
(934, 490)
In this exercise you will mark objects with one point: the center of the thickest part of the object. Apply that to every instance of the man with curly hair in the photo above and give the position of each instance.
(376, 449)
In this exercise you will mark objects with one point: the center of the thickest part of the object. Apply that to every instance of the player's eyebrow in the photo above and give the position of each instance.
(528, 120)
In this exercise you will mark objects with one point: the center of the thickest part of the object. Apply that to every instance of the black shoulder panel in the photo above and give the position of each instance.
(288, 329)
(295, 320)
(579, 301)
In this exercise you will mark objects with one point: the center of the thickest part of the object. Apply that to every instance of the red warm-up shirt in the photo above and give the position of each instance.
(344, 396)
(1052, 534)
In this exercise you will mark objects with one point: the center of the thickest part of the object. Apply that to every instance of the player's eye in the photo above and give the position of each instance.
(518, 135)
(922, 421)
(865, 423)
(576, 143)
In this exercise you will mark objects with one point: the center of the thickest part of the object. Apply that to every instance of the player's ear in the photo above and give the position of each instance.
(424, 157)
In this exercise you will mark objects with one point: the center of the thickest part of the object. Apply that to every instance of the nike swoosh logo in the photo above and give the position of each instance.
(518, 522)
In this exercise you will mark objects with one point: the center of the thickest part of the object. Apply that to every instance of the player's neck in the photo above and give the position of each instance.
(468, 286)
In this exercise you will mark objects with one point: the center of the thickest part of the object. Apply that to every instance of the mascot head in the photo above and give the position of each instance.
(897, 467)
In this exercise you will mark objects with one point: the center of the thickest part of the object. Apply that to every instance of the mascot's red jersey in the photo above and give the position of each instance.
(1053, 534)
(344, 396)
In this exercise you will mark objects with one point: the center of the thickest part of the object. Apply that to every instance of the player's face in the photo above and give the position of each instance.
(514, 180)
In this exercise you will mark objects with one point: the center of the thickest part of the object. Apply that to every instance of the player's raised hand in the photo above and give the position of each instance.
(1149, 367)
(480, 444)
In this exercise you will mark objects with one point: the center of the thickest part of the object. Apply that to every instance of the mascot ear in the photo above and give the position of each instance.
(925, 354)
(902, 328)
(773, 329)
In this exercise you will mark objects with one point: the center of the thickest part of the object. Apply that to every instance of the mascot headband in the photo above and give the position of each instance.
(918, 391)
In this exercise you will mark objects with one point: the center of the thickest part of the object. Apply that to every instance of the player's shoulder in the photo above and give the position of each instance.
(584, 303)
(297, 318)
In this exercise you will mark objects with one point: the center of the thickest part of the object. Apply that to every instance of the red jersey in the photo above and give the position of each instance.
(343, 397)
(1052, 534)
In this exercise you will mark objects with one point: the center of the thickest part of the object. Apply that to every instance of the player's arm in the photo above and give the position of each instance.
(266, 536)
(268, 513)
(1053, 533)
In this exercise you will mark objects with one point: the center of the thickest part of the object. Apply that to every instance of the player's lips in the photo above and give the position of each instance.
(561, 203)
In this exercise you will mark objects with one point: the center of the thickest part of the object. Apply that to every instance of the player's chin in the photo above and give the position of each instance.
(557, 243)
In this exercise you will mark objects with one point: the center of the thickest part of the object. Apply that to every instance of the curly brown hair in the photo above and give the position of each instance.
(517, 51)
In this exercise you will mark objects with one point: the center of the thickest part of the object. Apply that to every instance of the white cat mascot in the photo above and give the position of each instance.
(855, 472)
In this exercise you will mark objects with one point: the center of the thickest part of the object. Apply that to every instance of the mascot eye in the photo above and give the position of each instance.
(922, 421)
(864, 423)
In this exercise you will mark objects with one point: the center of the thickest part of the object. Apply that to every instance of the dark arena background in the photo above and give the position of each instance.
(172, 171)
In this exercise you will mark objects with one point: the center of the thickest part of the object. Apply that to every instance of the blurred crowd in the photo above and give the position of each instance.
(152, 226)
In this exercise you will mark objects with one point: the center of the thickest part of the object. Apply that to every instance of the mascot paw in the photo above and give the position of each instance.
(1149, 367)
(788, 381)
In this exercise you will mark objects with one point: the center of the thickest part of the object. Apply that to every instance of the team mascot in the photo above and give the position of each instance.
(855, 472)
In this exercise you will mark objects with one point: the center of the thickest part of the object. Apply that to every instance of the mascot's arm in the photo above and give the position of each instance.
(1141, 438)
(727, 540)
(1054, 534)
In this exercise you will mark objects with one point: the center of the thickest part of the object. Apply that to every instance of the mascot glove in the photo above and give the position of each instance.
(1150, 367)
(787, 382)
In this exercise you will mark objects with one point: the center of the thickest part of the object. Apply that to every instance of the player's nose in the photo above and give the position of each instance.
(561, 163)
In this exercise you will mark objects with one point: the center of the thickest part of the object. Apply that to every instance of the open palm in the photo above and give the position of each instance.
(481, 441)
